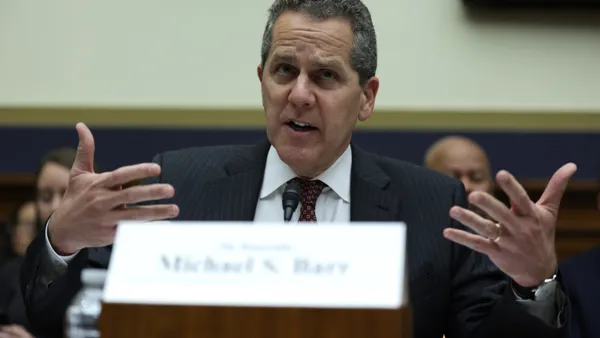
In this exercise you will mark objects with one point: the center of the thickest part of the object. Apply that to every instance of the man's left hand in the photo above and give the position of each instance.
(521, 243)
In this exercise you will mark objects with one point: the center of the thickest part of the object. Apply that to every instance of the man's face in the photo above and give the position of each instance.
(310, 92)
(24, 229)
(469, 166)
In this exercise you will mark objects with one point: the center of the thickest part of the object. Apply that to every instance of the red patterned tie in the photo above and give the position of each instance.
(309, 192)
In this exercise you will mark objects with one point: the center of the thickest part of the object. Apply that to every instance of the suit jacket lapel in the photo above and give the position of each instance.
(235, 196)
(370, 198)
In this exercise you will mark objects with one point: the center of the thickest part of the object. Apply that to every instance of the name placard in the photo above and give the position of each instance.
(355, 265)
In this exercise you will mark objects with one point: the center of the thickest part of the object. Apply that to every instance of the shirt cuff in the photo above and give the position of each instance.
(52, 266)
(550, 309)
(56, 259)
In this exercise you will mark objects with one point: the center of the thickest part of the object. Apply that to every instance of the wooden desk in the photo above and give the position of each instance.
(158, 321)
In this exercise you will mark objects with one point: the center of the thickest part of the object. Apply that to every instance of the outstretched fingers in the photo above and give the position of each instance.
(145, 213)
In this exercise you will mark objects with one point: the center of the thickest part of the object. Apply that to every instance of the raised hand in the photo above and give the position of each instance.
(522, 243)
(14, 331)
(94, 203)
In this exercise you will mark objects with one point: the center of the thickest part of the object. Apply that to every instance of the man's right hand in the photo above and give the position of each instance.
(93, 204)
(14, 331)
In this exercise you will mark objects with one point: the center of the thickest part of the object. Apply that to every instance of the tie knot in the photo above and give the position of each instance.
(310, 187)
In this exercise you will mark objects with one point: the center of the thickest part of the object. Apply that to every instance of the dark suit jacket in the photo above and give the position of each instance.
(581, 278)
(452, 289)
(11, 300)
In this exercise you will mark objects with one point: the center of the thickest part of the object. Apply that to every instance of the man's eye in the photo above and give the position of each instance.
(327, 75)
(285, 69)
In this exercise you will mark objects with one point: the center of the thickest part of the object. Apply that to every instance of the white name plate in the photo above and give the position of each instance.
(358, 265)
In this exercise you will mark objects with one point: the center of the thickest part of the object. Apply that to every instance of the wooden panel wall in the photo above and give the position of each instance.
(578, 226)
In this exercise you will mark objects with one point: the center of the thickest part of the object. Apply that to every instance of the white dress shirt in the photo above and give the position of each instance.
(333, 205)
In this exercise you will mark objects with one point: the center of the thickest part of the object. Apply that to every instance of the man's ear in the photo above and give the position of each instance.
(369, 92)
(259, 71)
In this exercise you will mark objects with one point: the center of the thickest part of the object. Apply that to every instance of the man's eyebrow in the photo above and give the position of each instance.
(285, 58)
(319, 63)
(329, 63)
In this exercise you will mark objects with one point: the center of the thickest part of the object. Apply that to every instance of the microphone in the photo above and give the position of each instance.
(290, 200)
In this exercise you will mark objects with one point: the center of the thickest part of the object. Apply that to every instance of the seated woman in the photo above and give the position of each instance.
(51, 181)
(21, 229)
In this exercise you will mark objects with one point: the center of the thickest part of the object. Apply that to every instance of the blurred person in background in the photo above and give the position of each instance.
(21, 229)
(5, 249)
(581, 276)
(51, 181)
(465, 160)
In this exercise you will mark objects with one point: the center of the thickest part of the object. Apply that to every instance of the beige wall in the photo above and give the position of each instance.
(203, 53)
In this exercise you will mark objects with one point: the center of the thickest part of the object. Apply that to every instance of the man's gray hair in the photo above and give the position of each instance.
(363, 56)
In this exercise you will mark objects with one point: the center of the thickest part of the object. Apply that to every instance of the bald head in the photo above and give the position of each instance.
(462, 158)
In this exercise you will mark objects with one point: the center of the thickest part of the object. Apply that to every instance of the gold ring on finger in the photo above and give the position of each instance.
(498, 232)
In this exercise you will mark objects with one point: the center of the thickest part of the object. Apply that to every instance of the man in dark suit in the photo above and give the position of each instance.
(317, 77)
(581, 275)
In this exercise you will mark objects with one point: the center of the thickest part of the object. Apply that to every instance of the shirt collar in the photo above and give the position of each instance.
(337, 177)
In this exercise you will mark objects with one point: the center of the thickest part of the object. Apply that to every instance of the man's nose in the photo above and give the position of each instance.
(468, 184)
(302, 96)
(55, 202)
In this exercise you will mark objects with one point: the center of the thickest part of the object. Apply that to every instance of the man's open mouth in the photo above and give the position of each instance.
(300, 126)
